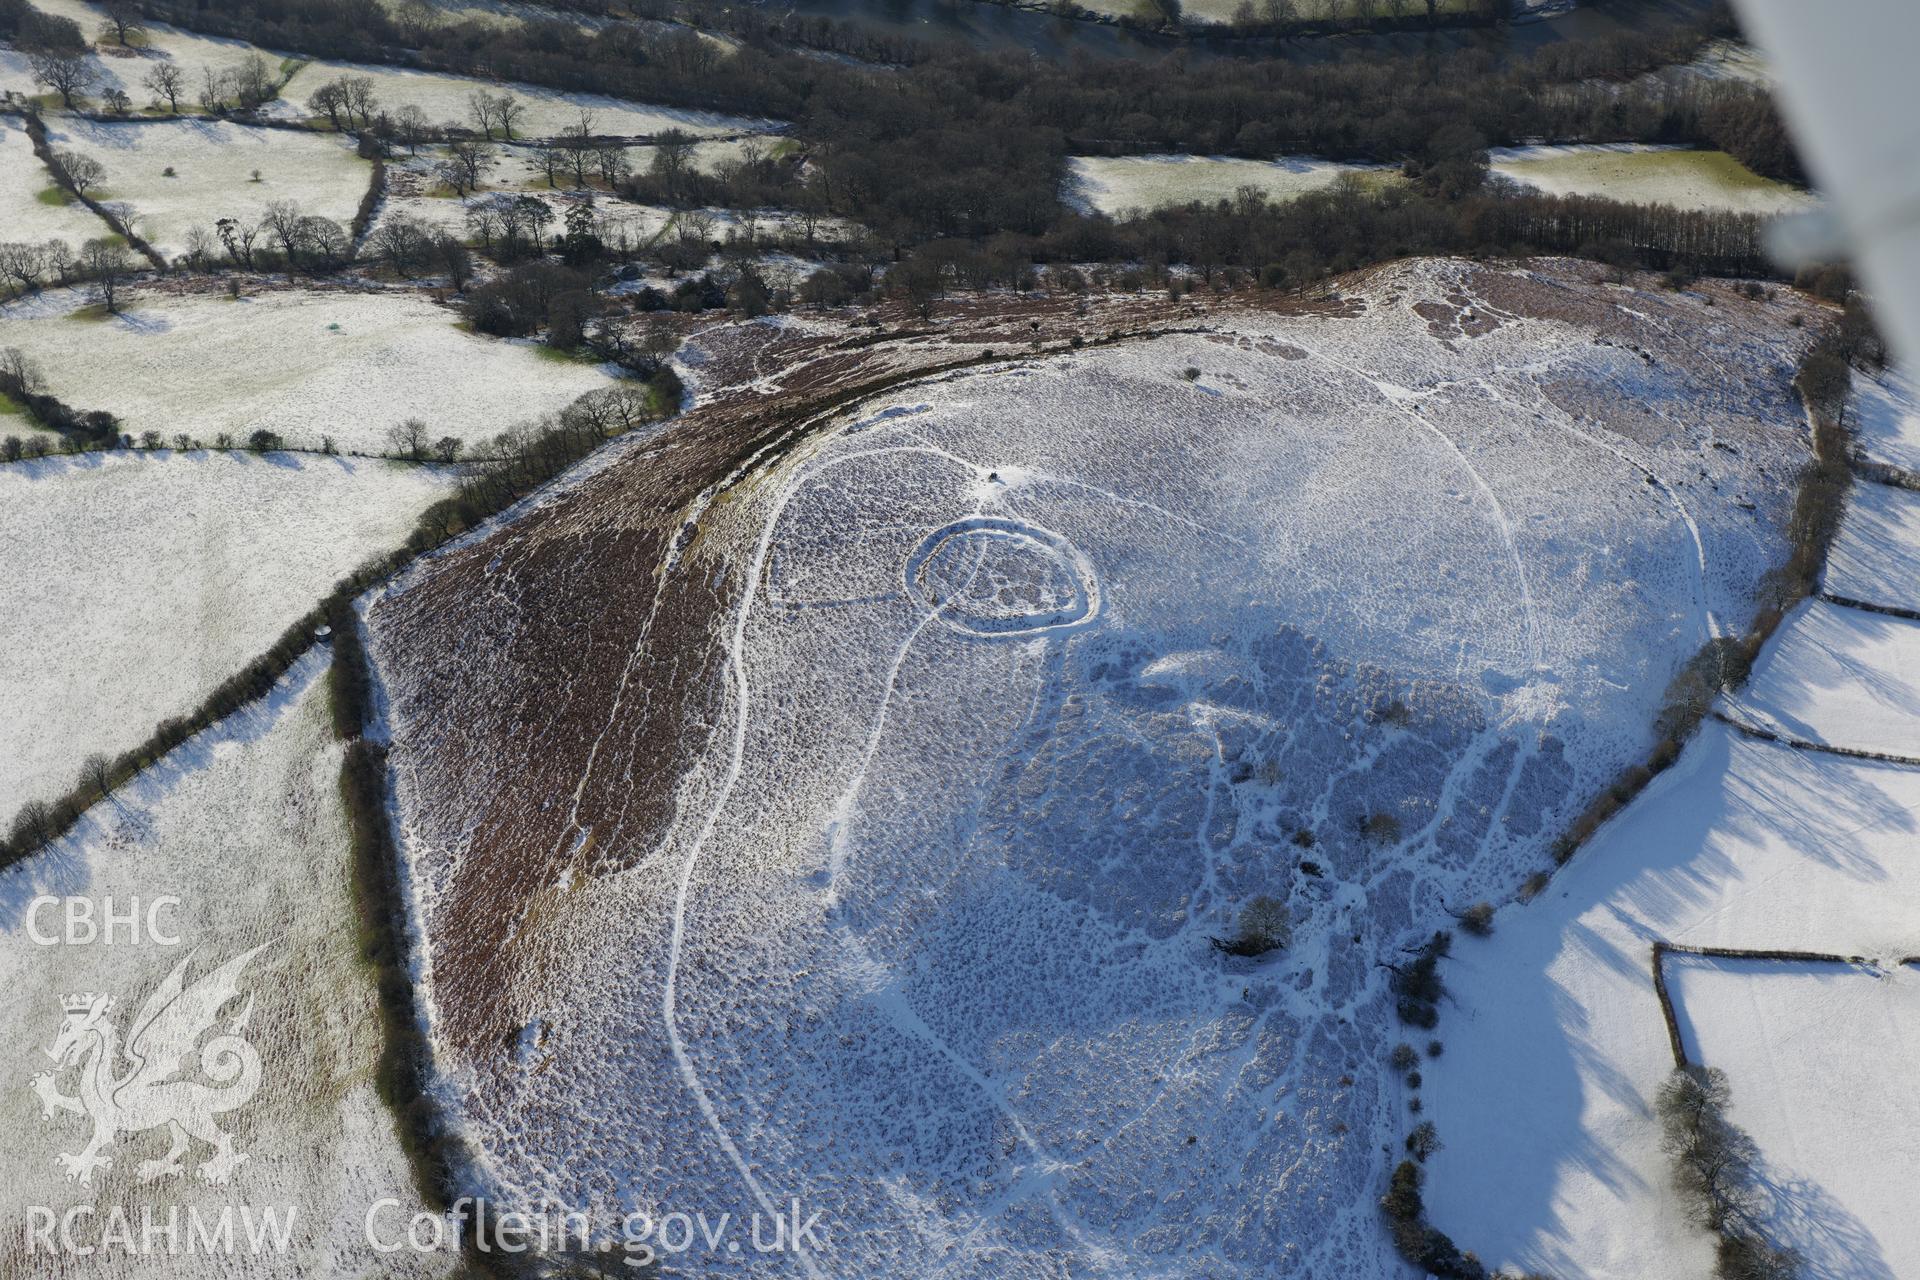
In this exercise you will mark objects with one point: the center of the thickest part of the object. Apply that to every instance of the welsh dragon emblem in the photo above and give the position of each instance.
(156, 1087)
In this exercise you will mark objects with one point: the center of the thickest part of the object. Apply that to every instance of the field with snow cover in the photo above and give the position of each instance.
(243, 825)
(1555, 1044)
(1841, 677)
(1114, 184)
(23, 214)
(548, 111)
(1027, 679)
(213, 164)
(304, 364)
(1877, 555)
(1640, 174)
(1885, 416)
(126, 67)
(135, 583)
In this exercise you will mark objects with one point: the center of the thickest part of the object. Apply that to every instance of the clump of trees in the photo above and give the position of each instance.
(1417, 987)
(285, 235)
(1477, 919)
(348, 102)
(1715, 1172)
(1418, 1241)
(521, 301)
(37, 32)
(22, 382)
(528, 456)
(1264, 925)
(25, 266)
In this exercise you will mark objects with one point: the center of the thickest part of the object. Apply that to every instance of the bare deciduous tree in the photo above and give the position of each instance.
(466, 164)
(282, 221)
(253, 82)
(166, 82)
(84, 173)
(508, 110)
(360, 98)
(402, 243)
(408, 439)
(96, 771)
(238, 237)
(480, 110)
(213, 91)
(411, 128)
(122, 19)
(200, 247)
(106, 263)
(66, 75)
(329, 100)
(22, 263)
(19, 372)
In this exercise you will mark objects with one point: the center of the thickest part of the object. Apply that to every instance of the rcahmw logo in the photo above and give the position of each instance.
(148, 1093)
(185, 1060)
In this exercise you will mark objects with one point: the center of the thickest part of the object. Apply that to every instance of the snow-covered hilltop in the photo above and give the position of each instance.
(910, 746)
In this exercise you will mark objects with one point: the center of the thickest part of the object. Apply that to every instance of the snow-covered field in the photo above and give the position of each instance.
(214, 165)
(136, 583)
(707, 157)
(1028, 678)
(1810, 1049)
(1731, 60)
(243, 826)
(1877, 555)
(1885, 416)
(1114, 184)
(304, 364)
(23, 215)
(1555, 1043)
(126, 68)
(1842, 677)
(1643, 174)
(548, 111)
(1554, 1035)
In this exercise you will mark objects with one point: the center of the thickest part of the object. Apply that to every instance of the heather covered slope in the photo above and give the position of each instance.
(843, 813)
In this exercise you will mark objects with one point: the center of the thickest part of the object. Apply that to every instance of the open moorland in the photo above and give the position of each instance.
(963, 780)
